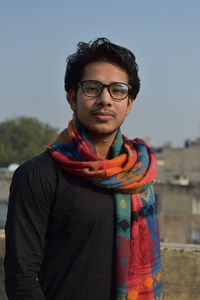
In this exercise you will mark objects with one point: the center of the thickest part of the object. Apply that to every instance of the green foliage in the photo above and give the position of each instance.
(22, 138)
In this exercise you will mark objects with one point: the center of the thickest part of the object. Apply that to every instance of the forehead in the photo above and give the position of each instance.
(105, 72)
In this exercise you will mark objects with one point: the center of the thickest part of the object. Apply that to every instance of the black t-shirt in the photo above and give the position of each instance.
(59, 236)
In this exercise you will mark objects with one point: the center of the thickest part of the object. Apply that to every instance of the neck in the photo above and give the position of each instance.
(103, 145)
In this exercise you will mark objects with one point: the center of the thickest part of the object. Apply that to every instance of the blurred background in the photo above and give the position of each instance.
(36, 38)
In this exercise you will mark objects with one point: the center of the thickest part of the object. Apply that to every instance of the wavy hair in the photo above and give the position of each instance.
(101, 50)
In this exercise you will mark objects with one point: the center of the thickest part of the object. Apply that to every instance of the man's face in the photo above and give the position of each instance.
(102, 116)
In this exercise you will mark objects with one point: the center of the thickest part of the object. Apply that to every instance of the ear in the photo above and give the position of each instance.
(129, 105)
(71, 97)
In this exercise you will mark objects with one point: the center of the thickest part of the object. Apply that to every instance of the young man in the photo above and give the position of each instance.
(82, 220)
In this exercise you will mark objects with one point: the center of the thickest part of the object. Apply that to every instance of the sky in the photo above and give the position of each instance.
(36, 36)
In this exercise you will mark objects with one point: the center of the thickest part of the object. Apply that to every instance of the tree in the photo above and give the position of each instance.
(22, 138)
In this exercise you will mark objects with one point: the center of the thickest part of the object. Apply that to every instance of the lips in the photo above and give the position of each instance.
(104, 113)
(103, 117)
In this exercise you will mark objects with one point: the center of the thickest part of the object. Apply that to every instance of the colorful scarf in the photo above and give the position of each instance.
(130, 174)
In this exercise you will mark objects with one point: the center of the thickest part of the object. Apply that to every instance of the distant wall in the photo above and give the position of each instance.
(181, 271)
(179, 161)
(5, 180)
(179, 212)
(2, 250)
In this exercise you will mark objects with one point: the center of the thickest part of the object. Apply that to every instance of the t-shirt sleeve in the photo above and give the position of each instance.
(31, 195)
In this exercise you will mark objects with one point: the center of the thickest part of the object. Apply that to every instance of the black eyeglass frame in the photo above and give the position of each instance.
(108, 88)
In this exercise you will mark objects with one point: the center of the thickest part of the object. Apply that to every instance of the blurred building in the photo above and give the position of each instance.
(178, 192)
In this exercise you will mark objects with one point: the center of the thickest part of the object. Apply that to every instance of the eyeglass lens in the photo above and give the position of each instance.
(117, 90)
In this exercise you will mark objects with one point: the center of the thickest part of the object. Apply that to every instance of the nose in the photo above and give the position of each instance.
(105, 97)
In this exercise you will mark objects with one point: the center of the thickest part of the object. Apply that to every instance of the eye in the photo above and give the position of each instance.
(91, 88)
(119, 89)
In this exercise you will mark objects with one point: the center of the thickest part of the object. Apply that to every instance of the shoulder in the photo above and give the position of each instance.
(141, 142)
(141, 145)
(39, 169)
(42, 162)
(136, 141)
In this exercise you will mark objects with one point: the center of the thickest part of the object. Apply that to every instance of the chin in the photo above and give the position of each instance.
(103, 132)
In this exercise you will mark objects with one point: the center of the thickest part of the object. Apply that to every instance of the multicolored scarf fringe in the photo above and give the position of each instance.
(130, 174)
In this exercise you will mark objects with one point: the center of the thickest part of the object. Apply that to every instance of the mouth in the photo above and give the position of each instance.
(103, 116)
(104, 113)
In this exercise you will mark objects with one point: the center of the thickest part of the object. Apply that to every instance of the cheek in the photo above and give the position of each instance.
(123, 111)
(83, 107)
(129, 107)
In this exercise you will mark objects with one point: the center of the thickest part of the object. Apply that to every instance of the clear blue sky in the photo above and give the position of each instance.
(37, 36)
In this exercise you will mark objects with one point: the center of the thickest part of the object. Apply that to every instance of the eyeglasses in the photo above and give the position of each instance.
(117, 90)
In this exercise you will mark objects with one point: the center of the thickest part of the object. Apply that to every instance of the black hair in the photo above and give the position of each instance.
(101, 50)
